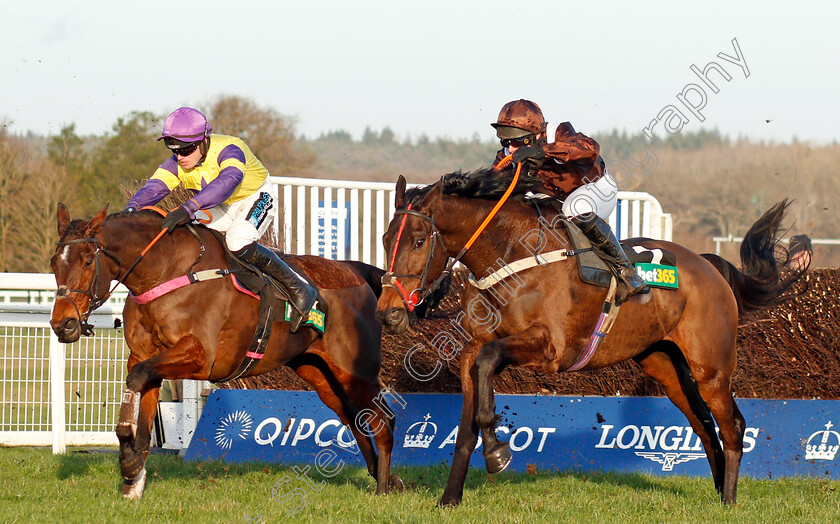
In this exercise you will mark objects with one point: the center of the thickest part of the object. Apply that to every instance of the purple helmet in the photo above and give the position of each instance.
(184, 126)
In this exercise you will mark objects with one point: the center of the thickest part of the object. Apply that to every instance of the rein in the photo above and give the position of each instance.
(424, 291)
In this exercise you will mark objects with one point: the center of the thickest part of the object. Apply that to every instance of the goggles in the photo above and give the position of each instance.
(523, 141)
(179, 147)
(186, 150)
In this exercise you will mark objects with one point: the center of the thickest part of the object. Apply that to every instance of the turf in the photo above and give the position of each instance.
(83, 486)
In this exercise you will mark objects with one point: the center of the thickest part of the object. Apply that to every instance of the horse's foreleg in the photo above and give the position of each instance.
(139, 404)
(526, 347)
(467, 435)
(134, 431)
(497, 455)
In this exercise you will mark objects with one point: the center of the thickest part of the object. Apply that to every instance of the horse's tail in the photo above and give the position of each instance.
(371, 274)
(758, 284)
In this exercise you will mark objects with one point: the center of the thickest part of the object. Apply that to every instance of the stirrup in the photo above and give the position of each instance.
(627, 290)
(297, 317)
(297, 320)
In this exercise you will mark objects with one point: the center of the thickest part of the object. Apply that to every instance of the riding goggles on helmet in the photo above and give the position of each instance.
(179, 147)
(523, 141)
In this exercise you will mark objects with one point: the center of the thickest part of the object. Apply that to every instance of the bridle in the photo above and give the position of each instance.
(94, 300)
(389, 279)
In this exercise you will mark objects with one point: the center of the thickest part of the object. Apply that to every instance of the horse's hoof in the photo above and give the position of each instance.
(133, 489)
(498, 458)
(449, 502)
(395, 484)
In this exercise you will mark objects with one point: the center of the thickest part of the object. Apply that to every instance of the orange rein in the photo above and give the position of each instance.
(146, 250)
(501, 165)
(158, 237)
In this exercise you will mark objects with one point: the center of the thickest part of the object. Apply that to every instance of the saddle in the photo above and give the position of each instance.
(274, 305)
(594, 270)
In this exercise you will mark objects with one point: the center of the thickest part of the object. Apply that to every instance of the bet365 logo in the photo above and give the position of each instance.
(658, 275)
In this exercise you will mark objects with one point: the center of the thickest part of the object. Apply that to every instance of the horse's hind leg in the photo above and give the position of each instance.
(715, 388)
(664, 363)
(711, 381)
(380, 421)
(334, 388)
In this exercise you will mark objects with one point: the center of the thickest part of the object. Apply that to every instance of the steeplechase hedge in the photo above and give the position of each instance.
(789, 351)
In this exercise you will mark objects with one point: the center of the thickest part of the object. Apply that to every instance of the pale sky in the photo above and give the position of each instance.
(424, 67)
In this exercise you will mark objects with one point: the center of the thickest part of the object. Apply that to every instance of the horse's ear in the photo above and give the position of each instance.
(63, 218)
(440, 187)
(399, 198)
(96, 222)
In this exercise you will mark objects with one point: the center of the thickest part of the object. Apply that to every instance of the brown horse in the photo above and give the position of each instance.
(203, 331)
(683, 338)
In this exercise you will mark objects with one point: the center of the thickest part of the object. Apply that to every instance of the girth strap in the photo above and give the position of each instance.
(606, 319)
(256, 351)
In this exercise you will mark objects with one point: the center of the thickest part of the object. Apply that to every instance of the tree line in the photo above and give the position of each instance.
(711, 184)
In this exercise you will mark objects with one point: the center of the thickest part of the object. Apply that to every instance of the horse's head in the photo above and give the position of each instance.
(416, 259)
(80, 273)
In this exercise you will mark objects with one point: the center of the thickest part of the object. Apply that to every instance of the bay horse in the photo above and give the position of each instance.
(202, 331)
(683, 338)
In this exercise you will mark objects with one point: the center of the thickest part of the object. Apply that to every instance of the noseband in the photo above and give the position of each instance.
(93, 294)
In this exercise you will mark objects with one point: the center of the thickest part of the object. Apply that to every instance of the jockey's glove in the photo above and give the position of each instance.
(533, 155)
(176, 218)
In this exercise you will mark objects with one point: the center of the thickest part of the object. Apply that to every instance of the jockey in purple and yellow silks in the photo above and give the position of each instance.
(229, 184)
(227, 173)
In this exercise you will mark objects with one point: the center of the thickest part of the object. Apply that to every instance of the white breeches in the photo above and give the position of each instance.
(245, 221)
(599, 197)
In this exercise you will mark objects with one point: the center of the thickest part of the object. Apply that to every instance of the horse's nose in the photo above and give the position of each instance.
(69, 330)
(394, 319)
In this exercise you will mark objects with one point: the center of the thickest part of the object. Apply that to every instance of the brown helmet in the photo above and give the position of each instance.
(519, 118)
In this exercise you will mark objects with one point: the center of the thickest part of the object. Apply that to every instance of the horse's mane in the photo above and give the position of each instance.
(484, 183)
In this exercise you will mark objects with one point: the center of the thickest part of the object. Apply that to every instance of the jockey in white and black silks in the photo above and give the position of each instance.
(571, 170)
(228, 183)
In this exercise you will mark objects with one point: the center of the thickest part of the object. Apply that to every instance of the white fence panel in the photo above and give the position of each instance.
(346, 220)
(81, 407)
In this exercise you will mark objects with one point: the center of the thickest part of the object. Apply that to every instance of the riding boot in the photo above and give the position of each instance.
(602, 238)
(301, 294)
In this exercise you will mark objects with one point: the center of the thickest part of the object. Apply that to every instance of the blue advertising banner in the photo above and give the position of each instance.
(783, 437)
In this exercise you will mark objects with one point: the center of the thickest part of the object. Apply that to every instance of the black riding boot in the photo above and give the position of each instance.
(302, 295)
(599, 233)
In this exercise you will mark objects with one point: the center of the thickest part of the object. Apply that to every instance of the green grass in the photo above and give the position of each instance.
(84, 487)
